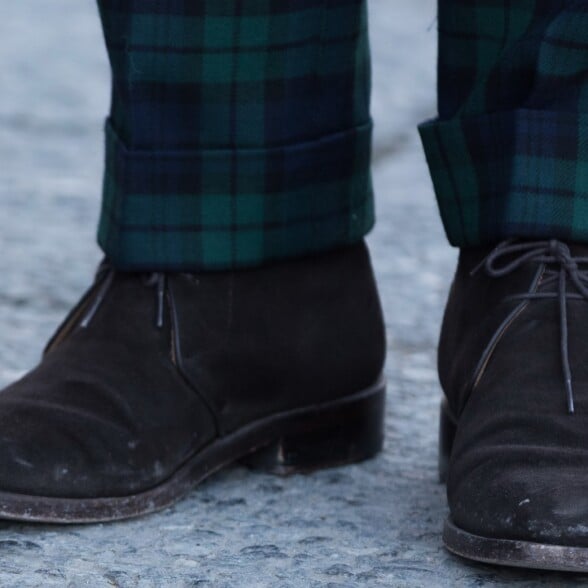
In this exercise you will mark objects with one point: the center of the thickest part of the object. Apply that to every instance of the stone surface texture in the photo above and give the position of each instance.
(375, 524)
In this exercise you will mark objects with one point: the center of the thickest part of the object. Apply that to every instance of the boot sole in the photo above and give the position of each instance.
(347, 431)
(519, 554)
(504, 552)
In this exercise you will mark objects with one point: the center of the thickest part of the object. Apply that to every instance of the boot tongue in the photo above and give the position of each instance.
(472, 257)
(574, 262)
(573, 253)
(578, 249)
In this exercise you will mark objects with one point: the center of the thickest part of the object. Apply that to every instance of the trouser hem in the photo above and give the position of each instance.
(218, 209)
(520, 173)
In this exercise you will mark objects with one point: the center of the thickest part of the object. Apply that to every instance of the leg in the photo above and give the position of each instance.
(239, 136)
(506, 154)
(239, 133)
(508, 160)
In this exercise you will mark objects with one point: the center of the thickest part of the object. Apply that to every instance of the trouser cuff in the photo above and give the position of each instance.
(226, 208)
(521, 173)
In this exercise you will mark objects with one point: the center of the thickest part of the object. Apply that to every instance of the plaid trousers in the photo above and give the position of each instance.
(239, 131)
(509, 153)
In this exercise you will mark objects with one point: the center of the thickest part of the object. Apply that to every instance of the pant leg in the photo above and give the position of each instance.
(239, 131)
(508, 153)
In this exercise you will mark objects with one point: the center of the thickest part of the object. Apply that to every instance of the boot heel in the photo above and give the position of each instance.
(447, 430)
(345, 432)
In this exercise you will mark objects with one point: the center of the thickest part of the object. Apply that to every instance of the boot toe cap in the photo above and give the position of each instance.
(506, 497)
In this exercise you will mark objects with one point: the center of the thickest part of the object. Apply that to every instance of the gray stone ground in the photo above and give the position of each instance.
(376, 524)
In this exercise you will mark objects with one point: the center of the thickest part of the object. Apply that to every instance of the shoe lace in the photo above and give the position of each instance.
(549, 253)
(105, 277)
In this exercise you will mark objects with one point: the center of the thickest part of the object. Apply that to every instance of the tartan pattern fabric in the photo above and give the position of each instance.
(239, 131)
(508, 153)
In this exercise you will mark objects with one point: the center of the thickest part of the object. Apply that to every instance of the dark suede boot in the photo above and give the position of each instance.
(156, 381)
(513, 362)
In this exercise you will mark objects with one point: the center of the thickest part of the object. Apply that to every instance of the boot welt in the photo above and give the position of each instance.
(509, 552)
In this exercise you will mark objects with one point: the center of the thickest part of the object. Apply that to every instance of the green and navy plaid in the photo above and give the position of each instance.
(509, 151)
(239, 131)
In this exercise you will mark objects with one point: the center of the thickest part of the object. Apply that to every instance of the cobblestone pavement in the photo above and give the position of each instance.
(375, 524)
